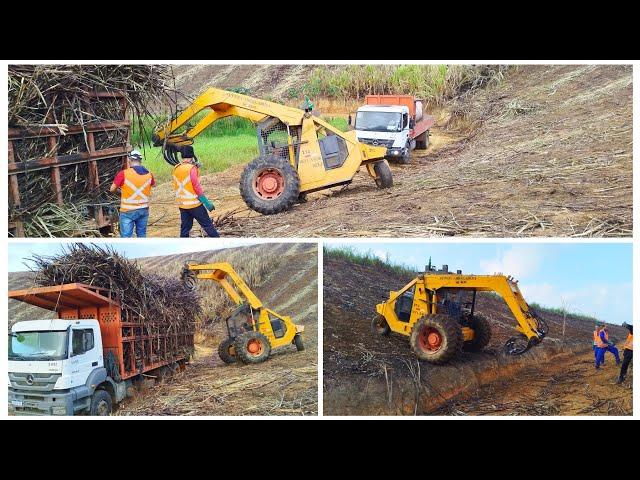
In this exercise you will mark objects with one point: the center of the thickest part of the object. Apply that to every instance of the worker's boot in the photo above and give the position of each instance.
(619, 381)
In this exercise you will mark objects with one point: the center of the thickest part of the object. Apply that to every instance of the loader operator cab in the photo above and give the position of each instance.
(457, 303)
(404, 305)
(240, 320)
(243, 319)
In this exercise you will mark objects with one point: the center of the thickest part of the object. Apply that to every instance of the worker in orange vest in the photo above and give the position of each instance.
(603, 345)
(135, 185)
(596, 332)
(627, 355)
(190, 197)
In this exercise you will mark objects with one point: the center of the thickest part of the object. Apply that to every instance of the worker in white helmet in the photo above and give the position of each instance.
(135, 185)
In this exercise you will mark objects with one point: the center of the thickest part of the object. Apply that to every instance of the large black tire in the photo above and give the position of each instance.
(227, 351)
(297, 341)
(245, 345)
(269, 202)
(422, 142)
(481, 334)
(101, 404)
(383, 172)
(379, 326)
(405, 159)
(436, 327)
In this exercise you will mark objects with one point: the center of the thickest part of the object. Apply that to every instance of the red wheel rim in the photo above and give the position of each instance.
(430, 339)
(269, 183)
(254, 347)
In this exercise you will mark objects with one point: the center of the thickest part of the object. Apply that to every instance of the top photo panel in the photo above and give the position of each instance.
(320, 150)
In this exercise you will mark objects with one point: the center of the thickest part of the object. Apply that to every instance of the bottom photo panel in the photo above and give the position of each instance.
(477, 329)
(164, 328)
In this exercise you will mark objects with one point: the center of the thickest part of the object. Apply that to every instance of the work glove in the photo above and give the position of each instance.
(207, 203)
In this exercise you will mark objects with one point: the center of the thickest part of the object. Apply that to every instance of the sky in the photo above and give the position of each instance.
(589, 278)
(19, 253)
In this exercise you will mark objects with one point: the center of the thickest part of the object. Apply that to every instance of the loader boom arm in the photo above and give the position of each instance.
(232, 283)
(505, 287)
(223, 103)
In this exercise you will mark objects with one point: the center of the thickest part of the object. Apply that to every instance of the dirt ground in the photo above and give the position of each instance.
(547, 152)
(365, 374)
(287, 384)
(567, 384)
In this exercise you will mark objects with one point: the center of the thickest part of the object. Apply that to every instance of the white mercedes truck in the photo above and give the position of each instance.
(393, 121)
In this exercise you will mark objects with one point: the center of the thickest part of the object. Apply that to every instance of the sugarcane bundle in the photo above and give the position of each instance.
(157, 301)
(91, 98)
(56, 95)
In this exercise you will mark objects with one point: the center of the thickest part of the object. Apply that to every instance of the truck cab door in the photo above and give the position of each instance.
(85, 354)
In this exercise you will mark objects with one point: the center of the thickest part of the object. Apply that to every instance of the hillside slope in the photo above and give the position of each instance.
(266, 81)
(367, 374)
(547, 152)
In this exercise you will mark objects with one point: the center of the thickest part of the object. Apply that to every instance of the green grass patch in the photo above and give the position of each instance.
(227, 142)
(368, 259)
(433, 83)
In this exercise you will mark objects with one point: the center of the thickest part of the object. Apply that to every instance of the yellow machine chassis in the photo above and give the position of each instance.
(239, 292)
(311, 169)
(426, 301)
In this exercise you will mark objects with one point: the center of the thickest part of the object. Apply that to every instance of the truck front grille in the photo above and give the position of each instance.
(41, 382)
(377, 142)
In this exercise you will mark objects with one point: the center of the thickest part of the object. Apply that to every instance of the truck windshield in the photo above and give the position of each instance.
(38, 345)
(379, 121)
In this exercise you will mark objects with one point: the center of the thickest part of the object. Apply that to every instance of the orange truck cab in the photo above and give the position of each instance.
(86, 360)
(397, 122)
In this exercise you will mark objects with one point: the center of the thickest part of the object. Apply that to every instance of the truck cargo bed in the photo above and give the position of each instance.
(137, 345)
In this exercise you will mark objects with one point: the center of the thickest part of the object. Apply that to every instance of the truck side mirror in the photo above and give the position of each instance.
(412, 123)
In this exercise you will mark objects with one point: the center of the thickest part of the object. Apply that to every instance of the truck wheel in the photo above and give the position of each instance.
(379, 326)
(405, 159)
(383, 172)
(252, 347)
(269, 185)
(101, 404)
(481, 334)
(297, 341)
(227, 351)
(422, 142)
(436, 338)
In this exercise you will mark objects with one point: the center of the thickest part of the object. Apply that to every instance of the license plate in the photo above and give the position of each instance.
(16, 403)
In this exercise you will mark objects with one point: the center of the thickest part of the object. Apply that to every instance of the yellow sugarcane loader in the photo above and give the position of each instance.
(253, 330)
(299, 153)
(437, 312)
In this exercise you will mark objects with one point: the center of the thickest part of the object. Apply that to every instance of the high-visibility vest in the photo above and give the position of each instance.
(628, 345)
(183, 188)
(135, 190)
(598, 340)
(595, 337)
